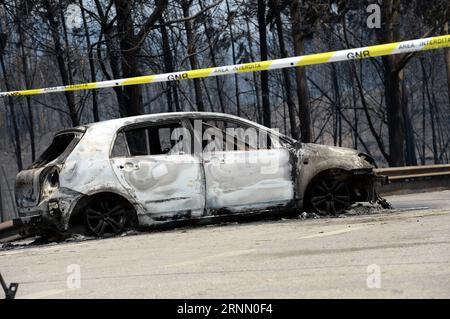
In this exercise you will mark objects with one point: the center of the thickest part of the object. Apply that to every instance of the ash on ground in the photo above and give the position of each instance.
(354, 210)
(366, 209)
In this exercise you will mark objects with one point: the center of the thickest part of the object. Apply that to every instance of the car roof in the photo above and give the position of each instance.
(160, 116)
(115, 124)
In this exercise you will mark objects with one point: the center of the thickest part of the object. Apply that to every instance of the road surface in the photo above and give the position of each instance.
(396, 254)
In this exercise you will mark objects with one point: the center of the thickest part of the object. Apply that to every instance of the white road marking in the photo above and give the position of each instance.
(407, 209)
(212, 257)
(333, 232)
(43, 294)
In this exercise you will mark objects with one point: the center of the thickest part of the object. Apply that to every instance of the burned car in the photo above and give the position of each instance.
(153, 169)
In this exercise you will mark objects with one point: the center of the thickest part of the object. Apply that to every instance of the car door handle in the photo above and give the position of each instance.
(129, 166)
(214, 160)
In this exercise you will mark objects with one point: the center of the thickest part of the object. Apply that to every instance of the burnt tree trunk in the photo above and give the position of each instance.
(354, 105)
(91, 63)
(396, 123)
(113, 57)
(233, 51)
(212, 55)
(287, 82)
(168, 67)
(337, 132)
(302, 85)
(431, 113)
(192, 53)
(263, 54)
(27, 79)
(364, 103)
(424, 117)
(59, 54)
(447, 63)
(66, 42)
(130, 48)
(393, 84)
(411, 158)
(16, 133)
(254, 75)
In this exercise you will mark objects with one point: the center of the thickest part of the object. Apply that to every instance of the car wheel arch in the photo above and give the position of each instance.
(76, 216)
(326, 172)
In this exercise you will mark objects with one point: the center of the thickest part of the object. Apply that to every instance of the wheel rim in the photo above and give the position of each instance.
(330, 196)
(105, 217)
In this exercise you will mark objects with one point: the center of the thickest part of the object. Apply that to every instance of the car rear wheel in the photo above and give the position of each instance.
(105, 217)
(329, 196)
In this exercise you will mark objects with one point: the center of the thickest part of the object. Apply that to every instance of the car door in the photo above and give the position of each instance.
(161, 175)
(246, 168)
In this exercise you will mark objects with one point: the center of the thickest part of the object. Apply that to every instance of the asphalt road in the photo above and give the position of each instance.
(399, 254)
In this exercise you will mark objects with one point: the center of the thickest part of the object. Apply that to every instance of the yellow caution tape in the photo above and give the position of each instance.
(319, 58)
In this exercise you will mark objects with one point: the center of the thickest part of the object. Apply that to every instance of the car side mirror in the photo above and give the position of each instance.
(297, 144)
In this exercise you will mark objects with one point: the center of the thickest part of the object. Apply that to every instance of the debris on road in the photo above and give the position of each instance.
(364, 209)
(307, 215)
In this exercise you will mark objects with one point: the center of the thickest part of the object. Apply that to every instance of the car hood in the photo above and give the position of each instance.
(331, 150)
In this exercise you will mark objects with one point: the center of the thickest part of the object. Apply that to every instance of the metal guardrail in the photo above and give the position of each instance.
(415, 178)
(396, 173)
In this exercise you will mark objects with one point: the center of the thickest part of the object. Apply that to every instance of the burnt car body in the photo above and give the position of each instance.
(132, 171)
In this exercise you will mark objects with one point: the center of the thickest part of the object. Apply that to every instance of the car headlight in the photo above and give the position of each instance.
(49, 182)
(369, 159)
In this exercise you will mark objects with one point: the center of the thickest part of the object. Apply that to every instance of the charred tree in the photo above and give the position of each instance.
(302, 86)
(276, 9)
(20, 18)
(447, 63)
(431, 108)
(51, 17)
(92, 68)
(411, 158)
(393, 86)
(254, 75)
(209, 37)
(233, 52)
(15, 128)
(129, 49)
(337, 132)
(172, 92)
(112, 53)
(262, 29)
(192, 53)
(124, 60)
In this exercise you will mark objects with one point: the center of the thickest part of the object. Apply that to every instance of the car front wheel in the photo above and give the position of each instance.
(329, 196)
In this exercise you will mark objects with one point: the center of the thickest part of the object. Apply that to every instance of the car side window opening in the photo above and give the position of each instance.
(120, 148)
(59, 145)
(235, 137)
(150, 140)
